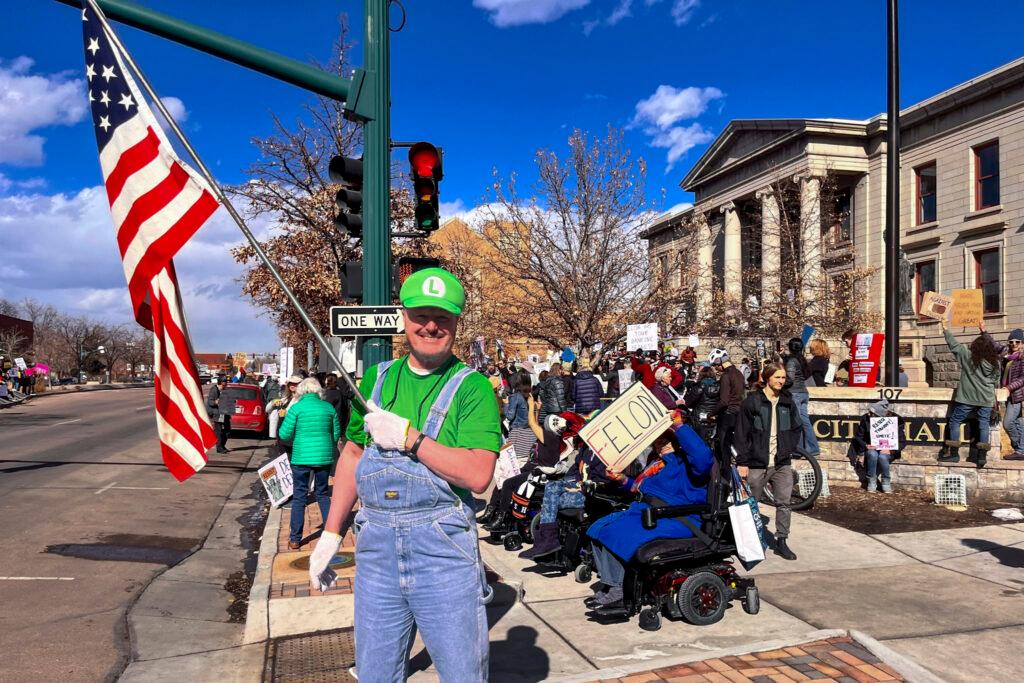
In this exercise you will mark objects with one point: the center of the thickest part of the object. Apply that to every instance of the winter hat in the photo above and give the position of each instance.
(879, 408)
(1016, 335)
(294, 379)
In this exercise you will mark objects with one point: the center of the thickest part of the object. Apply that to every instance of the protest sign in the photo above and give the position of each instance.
(276, 476)
(936, 305)
(642, 337)
(968, 307)
(807, 333)
(693, 341)
(20, 362)
(885, 433)
(506, 466)
(830, 375)
(625, 379)
(269, 369)
(620, 432)
(287, 362)
(761, 352)
(865, 356)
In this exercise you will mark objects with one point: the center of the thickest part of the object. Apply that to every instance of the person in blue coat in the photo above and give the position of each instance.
(682, 481)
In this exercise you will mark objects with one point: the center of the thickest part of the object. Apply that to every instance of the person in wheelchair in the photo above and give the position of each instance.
(681, 480)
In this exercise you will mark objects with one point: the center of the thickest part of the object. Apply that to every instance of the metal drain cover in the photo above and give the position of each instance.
(320, 658)
(339, 561)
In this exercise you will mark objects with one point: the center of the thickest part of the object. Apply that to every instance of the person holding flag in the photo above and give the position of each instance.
(430, 437)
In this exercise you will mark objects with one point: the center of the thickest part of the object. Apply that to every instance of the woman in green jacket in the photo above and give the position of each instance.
(313, 428)
(975, 392)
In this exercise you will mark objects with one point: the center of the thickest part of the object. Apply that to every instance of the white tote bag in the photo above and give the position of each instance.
(747, 528)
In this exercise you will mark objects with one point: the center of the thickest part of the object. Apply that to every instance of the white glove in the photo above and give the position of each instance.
(389, 431)
(321, 576)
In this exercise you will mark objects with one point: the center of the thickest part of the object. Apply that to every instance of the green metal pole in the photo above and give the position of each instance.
(377, 174)
(233, 50)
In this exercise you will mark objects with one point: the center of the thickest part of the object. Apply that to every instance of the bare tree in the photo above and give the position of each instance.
(8, 307)
(570, 256)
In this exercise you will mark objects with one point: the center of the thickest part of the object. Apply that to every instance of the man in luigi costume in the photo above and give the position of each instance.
(430, 437)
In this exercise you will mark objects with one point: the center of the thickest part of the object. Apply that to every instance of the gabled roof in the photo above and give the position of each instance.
(786, 130)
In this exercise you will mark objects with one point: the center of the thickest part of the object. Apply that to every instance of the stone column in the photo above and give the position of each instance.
(810, 233)
(705, 267)
(771, 247)
(733, 284)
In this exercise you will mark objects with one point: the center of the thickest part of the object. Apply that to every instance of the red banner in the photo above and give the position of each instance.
(865, 358)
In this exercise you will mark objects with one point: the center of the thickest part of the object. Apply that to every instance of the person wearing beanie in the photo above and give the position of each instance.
(1013, 380)
(877, 460)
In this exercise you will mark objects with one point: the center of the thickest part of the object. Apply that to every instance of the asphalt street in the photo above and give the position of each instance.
(88, 517)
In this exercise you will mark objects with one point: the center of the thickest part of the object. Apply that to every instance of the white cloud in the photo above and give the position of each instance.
(678, 208)
(505, 13)
(451, 209)
(683, 10)
(66, 255)
(29, 102)
(659, 114)
(621, 11)
(668, 105)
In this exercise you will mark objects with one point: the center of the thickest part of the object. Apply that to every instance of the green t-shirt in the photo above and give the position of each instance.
(472, 420)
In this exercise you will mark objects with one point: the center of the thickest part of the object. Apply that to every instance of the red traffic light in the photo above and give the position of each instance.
(425, 160)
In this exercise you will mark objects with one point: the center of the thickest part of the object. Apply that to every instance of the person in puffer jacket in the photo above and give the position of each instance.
(1013, 380)
(586, 390)
(313, 427)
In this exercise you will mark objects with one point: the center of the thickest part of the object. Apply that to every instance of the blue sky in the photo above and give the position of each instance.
(490, 80)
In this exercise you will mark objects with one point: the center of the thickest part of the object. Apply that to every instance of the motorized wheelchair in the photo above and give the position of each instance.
(689, 578)
(519, 522)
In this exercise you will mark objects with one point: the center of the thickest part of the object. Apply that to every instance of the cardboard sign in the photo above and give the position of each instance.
(506, 466)
(642, 337)
(269, 369)
(240, 360)
(20, 362)
(968, 307)
(276, 476)
(865, 357)
(936, 305)
(830, 375)
(885, 433)
(625, 380)
(620, 432)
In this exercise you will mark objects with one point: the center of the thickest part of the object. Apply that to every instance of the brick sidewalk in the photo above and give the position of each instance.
(835, 659)
(295, 584)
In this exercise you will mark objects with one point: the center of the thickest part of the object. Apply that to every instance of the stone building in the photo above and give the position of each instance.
(962, 209)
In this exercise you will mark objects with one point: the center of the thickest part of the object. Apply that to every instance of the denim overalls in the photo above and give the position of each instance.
(417, 563)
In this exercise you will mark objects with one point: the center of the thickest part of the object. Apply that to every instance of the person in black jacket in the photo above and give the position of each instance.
(220, 411)
(768, 430)
(552, 393)
(876, 460)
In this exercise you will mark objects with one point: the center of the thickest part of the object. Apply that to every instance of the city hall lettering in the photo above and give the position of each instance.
(916, 430)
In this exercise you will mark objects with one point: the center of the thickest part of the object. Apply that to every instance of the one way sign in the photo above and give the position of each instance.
(366, 321)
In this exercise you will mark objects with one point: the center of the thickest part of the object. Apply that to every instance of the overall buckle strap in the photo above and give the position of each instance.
(378, 387)
(438, 411)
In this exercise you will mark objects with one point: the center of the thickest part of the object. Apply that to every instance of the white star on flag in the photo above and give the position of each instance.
(104, 121)
(108, 73)
(90, 71)
(94, 46)
(104, 98)
(126, 100)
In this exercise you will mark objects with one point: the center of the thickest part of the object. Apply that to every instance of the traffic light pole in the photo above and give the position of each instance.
(377, 174)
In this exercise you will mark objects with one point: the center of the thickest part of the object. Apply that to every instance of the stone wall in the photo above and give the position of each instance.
(999, 480)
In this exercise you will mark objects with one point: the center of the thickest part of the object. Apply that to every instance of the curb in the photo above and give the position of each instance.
(82, 389)
(908, 668)
(257, 619)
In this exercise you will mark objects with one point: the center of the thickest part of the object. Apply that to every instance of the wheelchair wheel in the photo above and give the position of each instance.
(752, 601)
(583, 573)
(703, 598)
(534, 524)
(650, 619)
(512, 541)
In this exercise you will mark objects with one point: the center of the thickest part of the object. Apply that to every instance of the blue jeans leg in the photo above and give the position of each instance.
(810, 441)
(871, 463)
(300, 492)
(883, 467)
(957, 414)
(609, 567)
(321, 475)
(1014, 424)
(984, 415)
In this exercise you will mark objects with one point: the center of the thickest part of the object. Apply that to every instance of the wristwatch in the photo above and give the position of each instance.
(416, 447)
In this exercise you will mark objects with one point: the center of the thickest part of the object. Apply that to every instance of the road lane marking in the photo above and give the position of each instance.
(140, 488)
(37, 578)
(67, 422)
(106, 488)
(139, 410)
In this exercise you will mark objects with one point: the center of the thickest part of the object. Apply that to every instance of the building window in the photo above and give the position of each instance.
(926, 191)
(986, 278)
(840, 229)
(986, 175)
(663, 262)
(924, 280)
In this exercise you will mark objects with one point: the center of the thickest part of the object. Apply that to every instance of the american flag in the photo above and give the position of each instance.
(157, 203)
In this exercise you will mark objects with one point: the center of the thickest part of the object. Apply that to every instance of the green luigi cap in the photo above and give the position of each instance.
(433, 287)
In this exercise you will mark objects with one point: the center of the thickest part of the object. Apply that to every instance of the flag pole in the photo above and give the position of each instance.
(226, 202)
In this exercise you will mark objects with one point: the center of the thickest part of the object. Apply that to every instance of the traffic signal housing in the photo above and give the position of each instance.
(426, 174)
(348, 171)
(405, 266)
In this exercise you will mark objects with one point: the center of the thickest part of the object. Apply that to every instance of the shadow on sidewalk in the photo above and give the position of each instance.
(517, 658)
(1007, 555)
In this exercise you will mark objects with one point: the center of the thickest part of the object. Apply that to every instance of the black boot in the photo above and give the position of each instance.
(950, 452)
(981, 450)
(497, 523)
(545, 542)
(488, 515)
(782, 550)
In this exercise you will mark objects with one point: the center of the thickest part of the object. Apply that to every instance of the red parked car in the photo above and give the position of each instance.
(249, 413)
